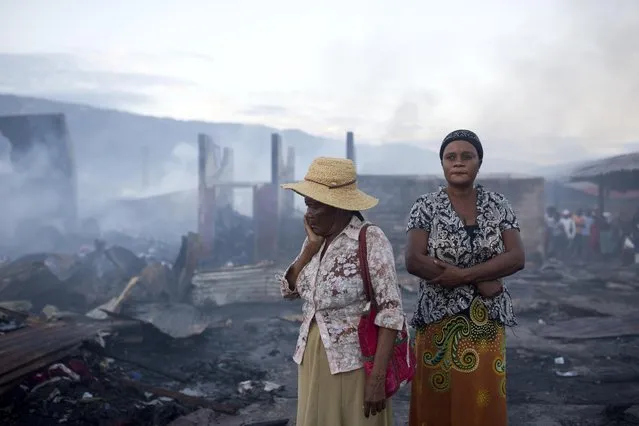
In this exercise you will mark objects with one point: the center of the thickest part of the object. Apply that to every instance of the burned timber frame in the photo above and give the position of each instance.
(215, 190)
(270, 203)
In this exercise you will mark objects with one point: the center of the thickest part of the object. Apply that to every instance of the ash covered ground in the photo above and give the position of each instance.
(572, 360)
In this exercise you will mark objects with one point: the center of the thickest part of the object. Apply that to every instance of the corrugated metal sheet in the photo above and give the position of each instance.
(31, 348)
(254, 283)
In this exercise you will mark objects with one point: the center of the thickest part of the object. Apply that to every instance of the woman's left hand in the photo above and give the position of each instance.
(451, 277)
(374, 394)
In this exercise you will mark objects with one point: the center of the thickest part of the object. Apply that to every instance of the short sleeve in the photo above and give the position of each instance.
(419, 217)
(507, 216)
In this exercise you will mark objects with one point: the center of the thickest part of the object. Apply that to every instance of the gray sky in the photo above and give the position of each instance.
(552, 80)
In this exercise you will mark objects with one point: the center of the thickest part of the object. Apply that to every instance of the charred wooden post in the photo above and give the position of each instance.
(287, 174)
(206, 198)
(350, 146)
(227, 166)
(266, 206)
(276, 158)
(215, 177)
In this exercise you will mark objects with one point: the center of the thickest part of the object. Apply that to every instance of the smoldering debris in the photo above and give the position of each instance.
(96, 275)
(110, 335)
(86, 372)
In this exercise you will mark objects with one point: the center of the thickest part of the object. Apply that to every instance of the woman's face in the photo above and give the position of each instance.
(321, 217)
(461, 163)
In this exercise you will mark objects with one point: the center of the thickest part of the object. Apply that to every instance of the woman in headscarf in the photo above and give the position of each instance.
(462, 241)
(333, 388)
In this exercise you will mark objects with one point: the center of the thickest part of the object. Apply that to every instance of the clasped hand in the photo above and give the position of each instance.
(453, 276)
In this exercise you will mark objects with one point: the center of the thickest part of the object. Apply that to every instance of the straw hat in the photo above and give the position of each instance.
(333, 181)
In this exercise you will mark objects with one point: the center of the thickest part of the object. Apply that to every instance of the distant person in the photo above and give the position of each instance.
(333, 388)
(595, 232)
(580, 238)
(462, 241)
(570, 230)
(589, 222)
(607, 237)
(558, 237)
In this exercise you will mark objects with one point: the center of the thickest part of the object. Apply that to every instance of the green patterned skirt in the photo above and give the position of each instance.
(461, 371)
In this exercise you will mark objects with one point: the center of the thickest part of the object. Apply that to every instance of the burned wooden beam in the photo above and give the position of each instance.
(276, 158)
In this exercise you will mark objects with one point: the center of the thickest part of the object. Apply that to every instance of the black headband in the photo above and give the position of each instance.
(462, 135)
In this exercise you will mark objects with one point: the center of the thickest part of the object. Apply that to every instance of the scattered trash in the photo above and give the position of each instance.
(566, 373)
(192, 392)
(271, 387)
(249, 385)
(559, 361)
(245, 386)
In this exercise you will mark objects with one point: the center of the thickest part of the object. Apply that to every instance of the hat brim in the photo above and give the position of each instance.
(346, 198)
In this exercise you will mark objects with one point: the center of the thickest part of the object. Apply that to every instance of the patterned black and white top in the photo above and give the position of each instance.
(451, 242)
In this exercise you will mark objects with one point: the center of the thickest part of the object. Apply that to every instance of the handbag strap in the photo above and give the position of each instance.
(363, 264)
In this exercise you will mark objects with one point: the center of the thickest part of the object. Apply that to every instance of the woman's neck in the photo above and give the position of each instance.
(461, 191)
(339, 227)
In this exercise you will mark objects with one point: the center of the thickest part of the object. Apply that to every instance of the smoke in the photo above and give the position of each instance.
(178, 173)
(38, 197)
(163, 204)
(5, 158)
(579, 90)
(562, 87)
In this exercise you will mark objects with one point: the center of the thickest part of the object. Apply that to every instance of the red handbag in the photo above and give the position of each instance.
(401, 366)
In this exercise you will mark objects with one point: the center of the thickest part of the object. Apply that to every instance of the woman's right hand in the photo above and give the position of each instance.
(314, 241)
(490, 289)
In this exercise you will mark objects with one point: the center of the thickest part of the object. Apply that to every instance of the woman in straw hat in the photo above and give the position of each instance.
(333, 388)
(462, 240)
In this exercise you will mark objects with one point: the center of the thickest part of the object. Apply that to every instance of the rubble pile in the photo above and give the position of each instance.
(108, 336)
(85, 280)
(85, 389)
(82, 371)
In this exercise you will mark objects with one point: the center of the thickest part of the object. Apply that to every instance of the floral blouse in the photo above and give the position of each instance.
(451, 242)
(333, 292)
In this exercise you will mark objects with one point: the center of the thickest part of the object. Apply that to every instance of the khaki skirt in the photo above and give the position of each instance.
(324, 399)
